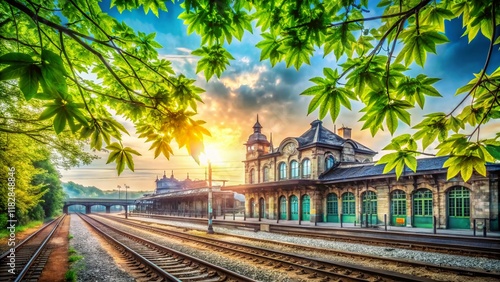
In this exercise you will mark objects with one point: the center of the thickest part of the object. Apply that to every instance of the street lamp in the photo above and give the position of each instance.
(126, 201)
(118, 186)
(210, 228)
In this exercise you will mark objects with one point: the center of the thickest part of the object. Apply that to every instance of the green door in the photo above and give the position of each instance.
(306, 207)
(282, 207)
(459, 208)
(294, 208)
(422, 208)
(262, 208)
(252, 208)
(369, 207)
(398, 208)
(348, 208)
(332, 208)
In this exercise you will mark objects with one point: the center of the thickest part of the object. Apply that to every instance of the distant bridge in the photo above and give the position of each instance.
(89, 202)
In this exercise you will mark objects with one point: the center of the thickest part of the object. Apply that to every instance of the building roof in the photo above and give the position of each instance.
(257, 136)
(183, 193)
(319, 135)
(364, 171)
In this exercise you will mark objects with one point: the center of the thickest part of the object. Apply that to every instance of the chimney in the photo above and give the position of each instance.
(345, 132)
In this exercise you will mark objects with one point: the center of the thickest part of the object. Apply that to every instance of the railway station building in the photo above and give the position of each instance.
(185, 198)
(322, 176)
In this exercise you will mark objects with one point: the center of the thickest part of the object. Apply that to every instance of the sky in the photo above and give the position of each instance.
(250, 87)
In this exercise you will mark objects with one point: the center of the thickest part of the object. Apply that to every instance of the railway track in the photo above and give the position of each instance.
(418, 267)
(159, 263)
(28, 258)
(449, 244)
(308, 268)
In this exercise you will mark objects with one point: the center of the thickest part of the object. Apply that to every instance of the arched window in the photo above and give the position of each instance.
(398, 203)
(369, 203)
(332, 207)
(265, 174)
(252, 176)
(294, 169)
(282, 168)
(348, 204)
(422, 202)
(283, 209)
(459, 202)
(306, 168)
(294, 207)
(329, 162)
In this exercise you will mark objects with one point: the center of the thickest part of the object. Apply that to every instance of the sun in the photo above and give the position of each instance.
(212, 154)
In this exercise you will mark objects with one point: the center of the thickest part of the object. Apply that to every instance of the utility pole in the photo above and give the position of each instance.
(126, 201)
(210, 228)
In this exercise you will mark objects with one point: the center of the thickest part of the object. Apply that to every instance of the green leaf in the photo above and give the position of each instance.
(28, 82)
(494, 151)
(16, 59)
(12, 72)
(392, 120)
(60, 122)
(53, 61)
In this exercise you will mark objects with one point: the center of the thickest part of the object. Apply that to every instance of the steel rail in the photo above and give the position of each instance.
(294, 259)
(344, 234)
(28, 238)
(38, 251)
(460, 271)
(25, 251)
(227, 272)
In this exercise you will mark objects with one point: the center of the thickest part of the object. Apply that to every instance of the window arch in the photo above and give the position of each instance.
(265, 174)
(398, 203)
(369, 203)
(422, 202)
(332, 204)
(329, 162)
(348, 204)
(282, 171)
(459, 202)
(294, 169)
(252, 176)
(306, 168)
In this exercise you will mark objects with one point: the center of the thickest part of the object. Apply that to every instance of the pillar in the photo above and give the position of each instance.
(88, 209)
(316, 210)
(108, 209)
(65, 209)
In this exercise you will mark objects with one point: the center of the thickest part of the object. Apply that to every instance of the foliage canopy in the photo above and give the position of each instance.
(49, 46)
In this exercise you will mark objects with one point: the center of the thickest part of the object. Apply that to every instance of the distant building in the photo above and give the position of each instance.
(186, 198)
(322, 176)
(170, 184)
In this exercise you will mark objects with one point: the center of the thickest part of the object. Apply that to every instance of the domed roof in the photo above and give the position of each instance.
(257, 136)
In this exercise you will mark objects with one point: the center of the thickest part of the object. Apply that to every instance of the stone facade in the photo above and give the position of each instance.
(296, 181)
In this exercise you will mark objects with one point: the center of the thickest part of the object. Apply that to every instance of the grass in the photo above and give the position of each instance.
(4, 232)
(70, 275)
(71, 251)
(74, 258)
(70, 236)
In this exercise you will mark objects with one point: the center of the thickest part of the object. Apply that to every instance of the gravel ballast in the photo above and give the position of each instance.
(95, 270)
(96, 264)
(428, 257)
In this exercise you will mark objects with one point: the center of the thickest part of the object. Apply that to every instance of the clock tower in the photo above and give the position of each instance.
(257, 144)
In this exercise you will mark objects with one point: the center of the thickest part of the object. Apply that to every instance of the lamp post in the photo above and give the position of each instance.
(210, 228)
(126, 201)
(119, 187)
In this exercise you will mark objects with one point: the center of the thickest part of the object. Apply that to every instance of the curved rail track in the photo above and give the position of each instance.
(159, 263)
(441, 243)
(418, 267)
(314, 269)
(28, 258)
